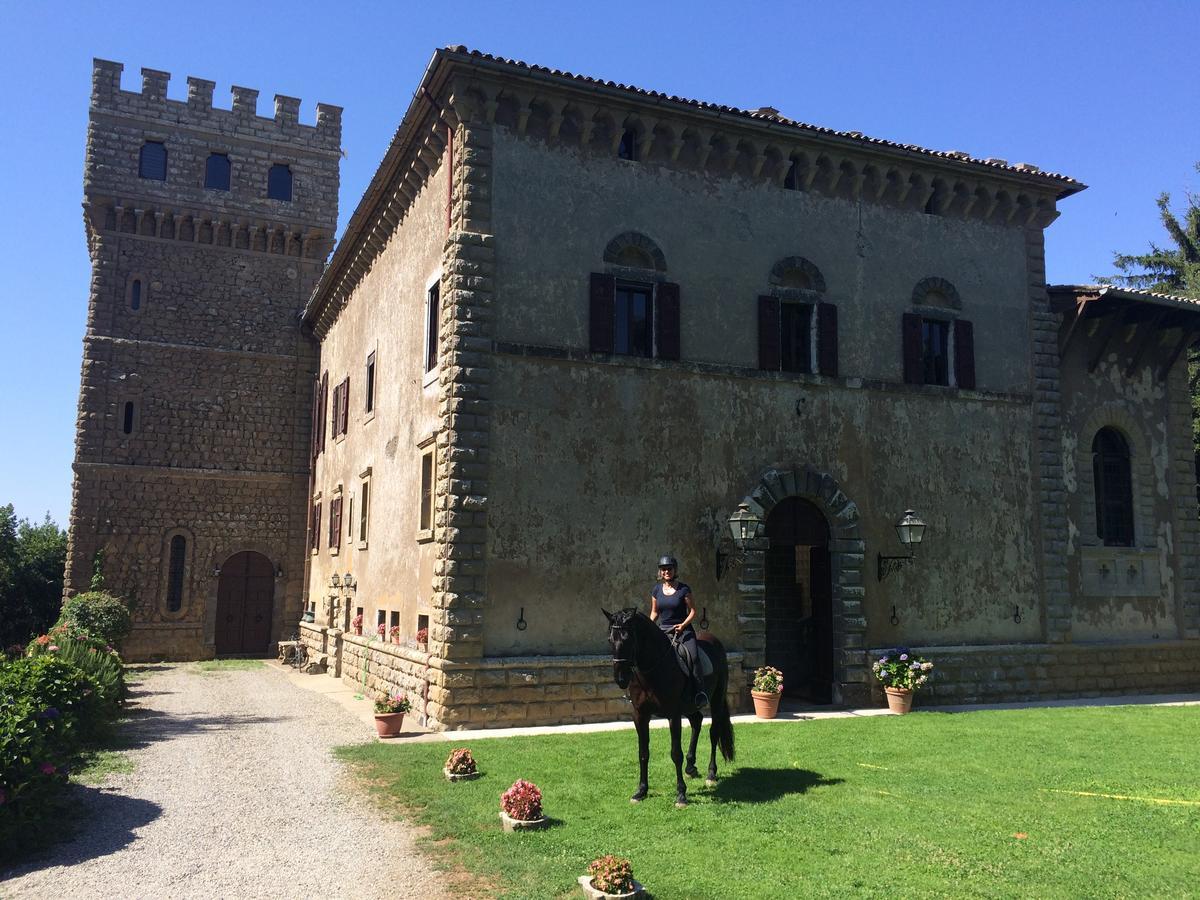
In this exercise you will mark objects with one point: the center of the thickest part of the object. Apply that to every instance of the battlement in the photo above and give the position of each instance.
(198, 110)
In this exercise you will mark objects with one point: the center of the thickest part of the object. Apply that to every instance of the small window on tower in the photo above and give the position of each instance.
(432, 306)
(279, 182)
(135, 295)
(628, 148)
(216, 172)
(127, 416)
(175, 572)
(425, 523)
(371, 382)
(152, 162)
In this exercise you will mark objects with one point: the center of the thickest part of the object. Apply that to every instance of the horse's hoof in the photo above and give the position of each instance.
(692, 772)
(710, 782)
(638, 797)
(681, 804)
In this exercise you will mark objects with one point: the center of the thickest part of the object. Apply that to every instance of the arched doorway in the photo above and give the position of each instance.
(245, 597)
(799, 599)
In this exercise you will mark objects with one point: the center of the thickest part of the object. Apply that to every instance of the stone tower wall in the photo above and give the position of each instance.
(212, 360)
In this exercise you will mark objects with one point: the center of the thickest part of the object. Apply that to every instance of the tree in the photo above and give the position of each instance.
(32, 557)
(1171, 270)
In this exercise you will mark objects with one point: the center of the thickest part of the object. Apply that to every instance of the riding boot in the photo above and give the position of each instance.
(698, 690)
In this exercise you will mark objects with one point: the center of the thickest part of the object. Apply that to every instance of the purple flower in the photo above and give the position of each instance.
(916, 667)
(903, 657)
(883, 660)
(47, 769)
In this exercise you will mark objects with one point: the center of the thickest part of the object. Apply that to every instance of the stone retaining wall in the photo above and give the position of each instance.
(1015, 672)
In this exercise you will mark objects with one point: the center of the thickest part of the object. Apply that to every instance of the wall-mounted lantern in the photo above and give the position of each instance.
(744, 528)
(910, 530)
(216, 572)
(278, 570)
(335, 580)
(349, 583)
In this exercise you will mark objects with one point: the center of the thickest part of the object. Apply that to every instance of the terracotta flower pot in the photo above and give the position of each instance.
(511, 824)
(899, 699)
(766, 703)
(389, 724)
(590, 890)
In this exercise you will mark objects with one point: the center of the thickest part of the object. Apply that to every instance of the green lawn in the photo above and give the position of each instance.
(985, 804)
(209, 666)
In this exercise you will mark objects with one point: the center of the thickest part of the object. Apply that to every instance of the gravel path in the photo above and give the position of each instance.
(234, 794)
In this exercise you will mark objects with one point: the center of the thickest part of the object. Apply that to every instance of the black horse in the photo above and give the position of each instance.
(645, 661)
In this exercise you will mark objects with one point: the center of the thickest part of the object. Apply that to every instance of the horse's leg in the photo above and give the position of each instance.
(642, 724)
(697, 720)
(711, 780)
(677, 758)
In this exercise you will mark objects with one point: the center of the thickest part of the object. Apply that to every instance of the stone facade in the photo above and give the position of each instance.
(196, 386)
(487, 468)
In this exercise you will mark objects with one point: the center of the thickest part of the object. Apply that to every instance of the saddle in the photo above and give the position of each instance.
(704, 666)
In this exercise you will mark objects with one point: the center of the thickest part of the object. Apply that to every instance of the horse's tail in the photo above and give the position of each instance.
(721, 726)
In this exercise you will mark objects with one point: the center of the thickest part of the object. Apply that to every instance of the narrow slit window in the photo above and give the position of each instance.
(175, 569)
(127, 418)
(279, 182)
(370, 392)
(364, 507)
(432, 314)
(426, 519)
(135, 294)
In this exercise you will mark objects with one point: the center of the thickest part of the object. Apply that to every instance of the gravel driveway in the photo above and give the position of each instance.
(234, 793)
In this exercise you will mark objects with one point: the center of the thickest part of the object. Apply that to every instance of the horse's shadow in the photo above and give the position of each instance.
(751, 785)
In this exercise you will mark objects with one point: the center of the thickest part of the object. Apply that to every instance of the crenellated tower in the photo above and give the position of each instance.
(207, 229)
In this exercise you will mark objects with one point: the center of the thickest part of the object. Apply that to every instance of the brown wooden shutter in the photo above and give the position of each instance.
(335, 523)
(666, 321)
(913, 370)
(964, 354)
(324, 408)
(768, 334)
(827, 339)
(345, 410)
(315, 524)
(314, 438)
(600, 318)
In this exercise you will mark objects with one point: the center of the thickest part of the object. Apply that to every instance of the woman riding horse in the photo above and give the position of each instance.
(673, 608)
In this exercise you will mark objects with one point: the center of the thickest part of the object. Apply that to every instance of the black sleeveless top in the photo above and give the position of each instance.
(672, 610)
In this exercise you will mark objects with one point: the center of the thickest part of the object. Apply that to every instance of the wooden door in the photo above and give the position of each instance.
(245, 598)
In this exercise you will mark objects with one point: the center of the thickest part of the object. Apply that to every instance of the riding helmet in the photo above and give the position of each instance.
(668, 561)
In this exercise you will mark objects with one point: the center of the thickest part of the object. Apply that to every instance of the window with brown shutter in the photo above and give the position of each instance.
(964, 354)
(769, 354)
(324, 409)
(315, 437)
(666, 321)
(911, 340)
(344, 409)
(827, 339)
(335, 524)
(602, 294)
(314, 527)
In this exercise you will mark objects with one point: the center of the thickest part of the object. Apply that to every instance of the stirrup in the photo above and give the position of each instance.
(701, 699)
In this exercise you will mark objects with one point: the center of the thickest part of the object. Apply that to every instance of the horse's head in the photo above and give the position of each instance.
(622, 641)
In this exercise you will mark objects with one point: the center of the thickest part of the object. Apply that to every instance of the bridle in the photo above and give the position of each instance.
(626, 639)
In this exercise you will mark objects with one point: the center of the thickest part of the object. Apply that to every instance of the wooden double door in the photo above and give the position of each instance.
(799, 600)
(245, 599)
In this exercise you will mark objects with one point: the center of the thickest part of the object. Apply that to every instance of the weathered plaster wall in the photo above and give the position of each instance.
(1145, 591)
(385, 315)
(721, 236)
(630, 453)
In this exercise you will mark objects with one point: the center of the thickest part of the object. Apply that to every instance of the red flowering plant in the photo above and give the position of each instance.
(392, 703)
(422, 635)
(381, 629)
(394, 633)
(522, 801)
(356, 623)
(611, 874)
(461, 762)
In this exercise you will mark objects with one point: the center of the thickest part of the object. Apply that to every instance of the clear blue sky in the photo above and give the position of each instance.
(1105, 92)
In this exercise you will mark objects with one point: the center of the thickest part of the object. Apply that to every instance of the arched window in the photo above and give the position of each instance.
(628, 148)
(152, 162)
(216, 172)
(279, 182)
(175, 573)
(1114, 488)
(135, 294)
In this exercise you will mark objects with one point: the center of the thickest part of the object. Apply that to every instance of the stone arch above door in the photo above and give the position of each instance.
(847, 560)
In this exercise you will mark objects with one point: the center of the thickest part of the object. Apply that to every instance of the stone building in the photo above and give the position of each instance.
(207, 230)
(573, 324)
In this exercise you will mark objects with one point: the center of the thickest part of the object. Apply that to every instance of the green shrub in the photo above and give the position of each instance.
(90, 656)
(98, 613)
(48, 710)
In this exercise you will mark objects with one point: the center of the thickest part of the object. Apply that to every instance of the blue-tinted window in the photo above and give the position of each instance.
(216, 172)
(279, 182)
(632, 333)
(152, 162)
(175, 573)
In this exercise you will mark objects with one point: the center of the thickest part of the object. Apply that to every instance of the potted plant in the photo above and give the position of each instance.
(394, 634)
(389, 714)
(381, 630)
(609, 877)
(766, 691)
(356, 623)
(422, 638)
(521, 807)
(902, 674)
(460, 766)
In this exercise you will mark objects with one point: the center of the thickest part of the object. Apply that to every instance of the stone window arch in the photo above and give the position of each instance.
(797, 273)
(937, 343)
(633, 310)
(936, 292)
(176, 564)
(1112, 480)
(1079, 474)
(633, 250)
(797, 327)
